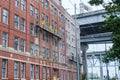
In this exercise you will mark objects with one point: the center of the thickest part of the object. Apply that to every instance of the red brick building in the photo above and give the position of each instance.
(32, 38)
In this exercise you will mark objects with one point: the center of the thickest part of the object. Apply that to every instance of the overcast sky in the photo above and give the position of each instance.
(69, 5)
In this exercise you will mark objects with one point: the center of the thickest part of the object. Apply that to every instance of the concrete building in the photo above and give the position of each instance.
(32, 39)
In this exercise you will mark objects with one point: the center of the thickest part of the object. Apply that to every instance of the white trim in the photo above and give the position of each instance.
(4, 78)
(59, 67)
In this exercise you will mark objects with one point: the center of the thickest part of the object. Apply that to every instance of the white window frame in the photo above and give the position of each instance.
(23, 24)
(22, 44)
(36, 49)
(5, 76)
(31, 10)
(37, 72)
(17, 43)
(36, 13)
(22, 76)
(31, 71)
(16, 21)
(5, 39)
(31, 48)
(16, 68)
(5, 16)
(23, 5)
(17, 3)
(31, 26)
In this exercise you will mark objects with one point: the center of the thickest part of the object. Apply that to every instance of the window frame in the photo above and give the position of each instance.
(23, 22)
(32, 48)
(5, 68)
(16, 43)
(16, 69)
(31, 29)
(23, 5)
(22, 70)
(31, 10)
(16, 21)
(37, 72)
(31, 71)
(22, 45)
(5, 16)
(17, 3)
(4, 39)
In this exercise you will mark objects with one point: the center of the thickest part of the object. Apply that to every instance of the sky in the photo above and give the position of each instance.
(69, 5)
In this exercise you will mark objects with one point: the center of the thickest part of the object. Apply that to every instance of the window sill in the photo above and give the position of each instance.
(16, 78)
(23, 79)
(4, 78)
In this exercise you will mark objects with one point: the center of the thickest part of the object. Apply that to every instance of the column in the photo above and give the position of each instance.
(101, 68)
(84, 48)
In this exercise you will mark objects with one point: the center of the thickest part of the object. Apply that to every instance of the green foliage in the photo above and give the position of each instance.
(112, 24)
(84, 77)
(96, 2)
(113, 78)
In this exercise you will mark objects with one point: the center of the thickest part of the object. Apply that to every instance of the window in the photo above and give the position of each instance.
(36, 14)
(61, 58)
(31, 71)
(5, 16)
(16, 21)
(4, 68)
(22, 45)
(55, 56)
(31, 10)
(68, 75)
(46, 4)
(17, 3)
(23, 5)
(43, 16)
(47, 21)
(36, 50)
(44, 73)
(15, 43)
(36, 32)
(37, 0)
(45, 53)
(48, 73)
(54, 25)
(43, 3)
(31, 29)
(4, 39)
(16, 69)
(31, 48)
(54, 10)
(62, 45)
(37, 72)
(64, 75)
(22, 70)
(54, 41)
(23, 25)
(45, 36)
(55, 72)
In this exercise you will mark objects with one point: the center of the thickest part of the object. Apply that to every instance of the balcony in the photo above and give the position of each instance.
(48, 29)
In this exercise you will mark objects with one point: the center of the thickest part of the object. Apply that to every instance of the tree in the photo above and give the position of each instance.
(112, 24)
